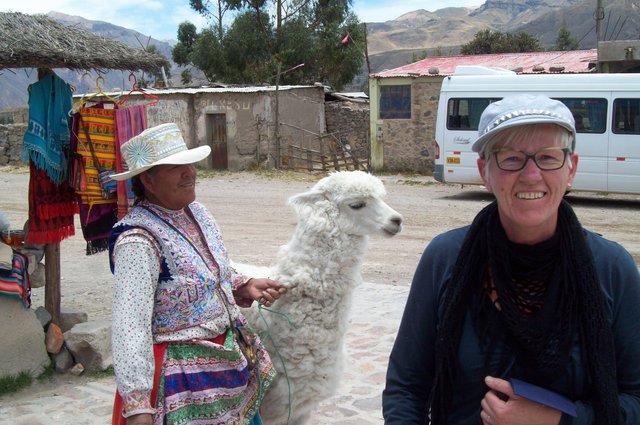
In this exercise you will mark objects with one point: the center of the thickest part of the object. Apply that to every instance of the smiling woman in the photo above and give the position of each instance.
(523, 294)
(176, 299)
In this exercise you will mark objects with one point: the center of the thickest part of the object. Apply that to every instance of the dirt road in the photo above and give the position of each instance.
(252, 212)
(255, 220)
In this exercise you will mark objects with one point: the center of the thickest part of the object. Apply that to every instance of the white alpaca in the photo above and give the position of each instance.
(320, 267)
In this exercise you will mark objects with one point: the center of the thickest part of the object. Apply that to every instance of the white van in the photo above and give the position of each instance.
(606, 108)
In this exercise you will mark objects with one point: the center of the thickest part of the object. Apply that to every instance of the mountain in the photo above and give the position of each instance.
(394, 43)
(390, 44)
(14, 82)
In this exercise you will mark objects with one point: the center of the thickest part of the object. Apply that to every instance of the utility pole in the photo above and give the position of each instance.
(599, 16)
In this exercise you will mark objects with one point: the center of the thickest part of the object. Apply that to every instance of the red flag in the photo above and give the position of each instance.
(345, 40)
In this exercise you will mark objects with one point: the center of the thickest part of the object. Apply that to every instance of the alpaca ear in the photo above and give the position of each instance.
(306, 198)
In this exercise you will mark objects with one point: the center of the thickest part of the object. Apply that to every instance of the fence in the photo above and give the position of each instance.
(321, 153)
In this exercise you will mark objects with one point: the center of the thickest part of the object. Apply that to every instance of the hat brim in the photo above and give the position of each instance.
(188, 156)
(478, 145)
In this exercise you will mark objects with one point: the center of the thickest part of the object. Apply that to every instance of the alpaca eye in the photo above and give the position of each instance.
(357, 205)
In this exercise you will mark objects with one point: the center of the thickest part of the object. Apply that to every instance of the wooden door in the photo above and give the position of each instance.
(217, 139)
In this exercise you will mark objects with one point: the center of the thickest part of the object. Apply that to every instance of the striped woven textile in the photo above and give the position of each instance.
(100, 124)
(15, 283)
(130, 122)
(206, 383)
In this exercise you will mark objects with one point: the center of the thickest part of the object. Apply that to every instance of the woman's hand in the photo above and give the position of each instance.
(141, 419)
(515, 410)
(263, 290)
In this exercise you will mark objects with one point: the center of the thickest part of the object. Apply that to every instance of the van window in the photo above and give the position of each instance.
(395, 102)
(590, 114)
(464, 113)
(626, 116)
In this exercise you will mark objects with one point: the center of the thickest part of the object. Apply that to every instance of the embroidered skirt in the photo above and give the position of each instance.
(205, 383)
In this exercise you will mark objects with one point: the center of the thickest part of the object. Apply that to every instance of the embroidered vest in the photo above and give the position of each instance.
(188, 292)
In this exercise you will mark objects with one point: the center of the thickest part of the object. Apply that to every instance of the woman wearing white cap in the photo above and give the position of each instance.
(523, 317)
(182, 351)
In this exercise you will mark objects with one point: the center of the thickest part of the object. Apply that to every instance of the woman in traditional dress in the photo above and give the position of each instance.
(182, 350)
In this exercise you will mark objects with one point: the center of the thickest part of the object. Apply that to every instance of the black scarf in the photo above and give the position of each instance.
(572, 301)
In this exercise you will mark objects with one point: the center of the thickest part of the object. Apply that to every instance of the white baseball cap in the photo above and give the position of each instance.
(522, 109)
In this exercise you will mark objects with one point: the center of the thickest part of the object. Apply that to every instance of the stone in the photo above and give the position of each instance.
(53, 339)
(77, 369)
(43, 316)
(90, 344)
(69, 318)
(38, 278)
(22, 346)
(63, 361)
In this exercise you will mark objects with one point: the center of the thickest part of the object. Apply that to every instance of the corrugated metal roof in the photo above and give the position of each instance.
(160, 92)
(571, 61)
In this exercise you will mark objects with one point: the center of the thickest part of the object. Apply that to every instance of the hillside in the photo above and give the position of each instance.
(393, 43)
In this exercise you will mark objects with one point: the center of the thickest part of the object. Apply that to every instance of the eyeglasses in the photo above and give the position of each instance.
(547, 159)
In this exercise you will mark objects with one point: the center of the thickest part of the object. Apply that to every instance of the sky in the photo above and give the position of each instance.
(160, 18)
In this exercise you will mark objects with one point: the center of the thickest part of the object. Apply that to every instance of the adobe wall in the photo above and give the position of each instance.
(249, 117)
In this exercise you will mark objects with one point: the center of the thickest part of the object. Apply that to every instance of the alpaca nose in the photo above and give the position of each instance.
(397, 220)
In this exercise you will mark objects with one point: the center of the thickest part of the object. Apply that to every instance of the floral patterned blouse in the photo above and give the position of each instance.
(137, 267)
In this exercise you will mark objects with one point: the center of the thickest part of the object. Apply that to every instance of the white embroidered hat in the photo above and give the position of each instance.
(162, 144)
(522, 109)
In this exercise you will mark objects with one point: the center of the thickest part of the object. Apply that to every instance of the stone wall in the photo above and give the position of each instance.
(18, 115)
(409, 145)
(349, 122)
(11, 143)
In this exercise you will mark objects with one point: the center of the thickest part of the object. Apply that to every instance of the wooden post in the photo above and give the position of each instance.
(52, 285)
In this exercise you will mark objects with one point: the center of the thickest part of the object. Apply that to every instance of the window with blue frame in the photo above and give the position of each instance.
(395, 102)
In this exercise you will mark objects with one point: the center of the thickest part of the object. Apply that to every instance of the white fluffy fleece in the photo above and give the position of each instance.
(320, 267)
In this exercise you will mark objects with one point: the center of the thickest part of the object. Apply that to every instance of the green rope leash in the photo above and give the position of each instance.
(267, 334)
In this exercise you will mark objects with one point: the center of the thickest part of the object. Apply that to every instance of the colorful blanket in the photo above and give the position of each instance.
(15, 283)
(129, 123)
(46, 142)
(97, 215)
(51, 209)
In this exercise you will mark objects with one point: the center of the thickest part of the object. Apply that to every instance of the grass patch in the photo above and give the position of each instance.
(107, 373)
(47, 373)
(12, 384)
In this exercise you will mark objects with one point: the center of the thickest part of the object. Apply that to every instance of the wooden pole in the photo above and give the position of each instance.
(52, 285)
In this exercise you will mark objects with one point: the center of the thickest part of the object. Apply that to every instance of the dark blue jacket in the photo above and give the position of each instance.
(411, 364)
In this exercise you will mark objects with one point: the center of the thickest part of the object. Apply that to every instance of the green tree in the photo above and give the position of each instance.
(565, 41)
(186, 77)
(415, 57)
(187, 35)
(488, 41)
(256, 45)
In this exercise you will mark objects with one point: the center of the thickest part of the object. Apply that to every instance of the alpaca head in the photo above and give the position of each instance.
(349, 202)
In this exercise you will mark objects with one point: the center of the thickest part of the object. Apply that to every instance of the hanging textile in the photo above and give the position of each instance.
(15, 283)
(46, 142)
(51, 209)
(97, 215)
(130, 122)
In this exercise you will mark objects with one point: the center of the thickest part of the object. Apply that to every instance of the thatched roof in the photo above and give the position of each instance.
(37, 41)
